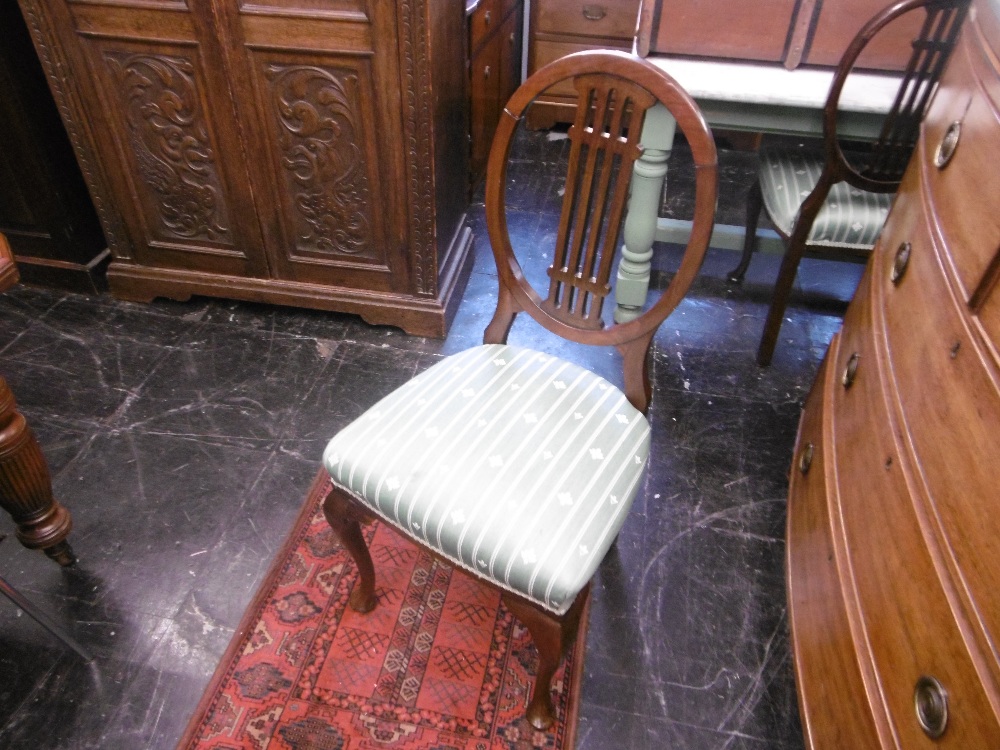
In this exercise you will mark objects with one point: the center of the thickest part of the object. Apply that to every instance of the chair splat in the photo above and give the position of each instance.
(605, 145)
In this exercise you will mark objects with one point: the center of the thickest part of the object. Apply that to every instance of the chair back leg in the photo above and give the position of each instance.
(779, 300)
(794, 251)
(755, 203)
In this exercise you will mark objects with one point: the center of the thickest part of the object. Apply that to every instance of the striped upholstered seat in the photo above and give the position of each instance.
(511, 463)
(850, 217)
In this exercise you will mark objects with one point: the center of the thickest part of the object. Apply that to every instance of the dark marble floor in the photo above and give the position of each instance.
(184, 436)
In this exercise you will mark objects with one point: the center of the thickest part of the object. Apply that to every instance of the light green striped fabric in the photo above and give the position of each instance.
(850, 217)
(513, 464)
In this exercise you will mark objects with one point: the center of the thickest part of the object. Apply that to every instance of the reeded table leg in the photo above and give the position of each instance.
(648, 174)
(26, 488)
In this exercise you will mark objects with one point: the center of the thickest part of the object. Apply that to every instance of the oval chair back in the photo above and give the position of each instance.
(614, 91)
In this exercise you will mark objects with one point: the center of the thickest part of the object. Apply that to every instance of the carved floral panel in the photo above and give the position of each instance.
(324, 169)
(169, 139)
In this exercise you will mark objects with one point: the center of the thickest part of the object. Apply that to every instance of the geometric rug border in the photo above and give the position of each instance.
(227, 664)
(244, 632)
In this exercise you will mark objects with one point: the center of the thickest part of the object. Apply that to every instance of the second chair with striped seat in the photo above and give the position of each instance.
(519, 466)
(833, 203)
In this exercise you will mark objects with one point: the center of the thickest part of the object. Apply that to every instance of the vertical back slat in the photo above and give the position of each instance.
(629, 153)
(596, 234)
(585, 198)
(569, 199)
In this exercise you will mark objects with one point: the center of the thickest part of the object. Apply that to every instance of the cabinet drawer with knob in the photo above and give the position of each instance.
(608, 18)
(960, 144)
(837, 713)
(932, 374)
(561, 27)
(483, 22)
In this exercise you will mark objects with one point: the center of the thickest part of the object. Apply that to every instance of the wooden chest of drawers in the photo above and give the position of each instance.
(560, 27)
(893, 527)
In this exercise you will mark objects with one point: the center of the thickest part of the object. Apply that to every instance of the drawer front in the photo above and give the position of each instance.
(597, 19)
(946, 392)
(962, 120)
(836, 711)
(722, 28)
(544, 52)
(911, 630)
(838, 24)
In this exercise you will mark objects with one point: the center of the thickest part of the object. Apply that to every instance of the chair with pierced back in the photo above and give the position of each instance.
(833, 204)
(514, 465)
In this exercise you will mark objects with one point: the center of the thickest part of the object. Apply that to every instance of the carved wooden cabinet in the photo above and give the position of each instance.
(300, 152)
(893, 523)
(495, 34)
(557, 28)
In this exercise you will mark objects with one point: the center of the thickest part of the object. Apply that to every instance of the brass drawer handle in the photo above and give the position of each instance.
(594, 12)
(487, 17)
(949, 143)
(486, 72)
(806, 458)
(900, 262)
(851, 370)
(930, 700)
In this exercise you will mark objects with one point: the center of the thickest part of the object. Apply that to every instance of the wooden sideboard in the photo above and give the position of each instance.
(557, 28)
(893, 523)
(286, 151)
(495, 34)
(790, 32)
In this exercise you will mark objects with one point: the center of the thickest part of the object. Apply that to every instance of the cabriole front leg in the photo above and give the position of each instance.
(648, 174)
(342, 514)
(26, 487)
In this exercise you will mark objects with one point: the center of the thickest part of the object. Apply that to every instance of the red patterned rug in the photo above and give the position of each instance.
(440, 664)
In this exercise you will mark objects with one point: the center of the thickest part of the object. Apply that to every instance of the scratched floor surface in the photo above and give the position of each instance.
(183, 438)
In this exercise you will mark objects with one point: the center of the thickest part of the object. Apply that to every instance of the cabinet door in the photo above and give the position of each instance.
(169, 172)
(316, 87)
(510, 58)
(484, 75)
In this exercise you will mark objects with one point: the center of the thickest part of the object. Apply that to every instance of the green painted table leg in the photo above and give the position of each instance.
(648, 175)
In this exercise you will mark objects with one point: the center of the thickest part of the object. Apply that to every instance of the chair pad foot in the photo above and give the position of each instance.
(361, 602)
(539, 713)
